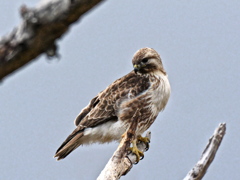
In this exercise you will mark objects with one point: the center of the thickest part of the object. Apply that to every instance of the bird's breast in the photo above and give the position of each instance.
(160, 92)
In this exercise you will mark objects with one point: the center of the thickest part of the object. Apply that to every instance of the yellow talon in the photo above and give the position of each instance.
(139, 154)
(144, 139)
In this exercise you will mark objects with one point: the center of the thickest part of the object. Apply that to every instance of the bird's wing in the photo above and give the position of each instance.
(103, 108)
(105, 105)
(86, 110)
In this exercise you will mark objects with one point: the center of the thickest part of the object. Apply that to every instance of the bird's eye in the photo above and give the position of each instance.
(145, 60)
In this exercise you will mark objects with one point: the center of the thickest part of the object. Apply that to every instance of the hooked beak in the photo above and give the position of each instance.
(136, 67)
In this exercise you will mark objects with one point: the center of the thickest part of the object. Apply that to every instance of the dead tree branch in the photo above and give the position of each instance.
(199, 170)
(38, 32)
(121, 162)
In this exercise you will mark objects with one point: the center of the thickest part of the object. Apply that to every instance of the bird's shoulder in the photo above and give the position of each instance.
(122, 86)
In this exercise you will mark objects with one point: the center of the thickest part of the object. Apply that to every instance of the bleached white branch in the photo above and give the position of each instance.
(115, 168)
(199, 170)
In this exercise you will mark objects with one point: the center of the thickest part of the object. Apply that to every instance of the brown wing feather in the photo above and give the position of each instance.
(86, 110)
(103, 108)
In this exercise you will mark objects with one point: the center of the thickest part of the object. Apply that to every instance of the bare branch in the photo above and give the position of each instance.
(38, 31)
(208, 154)
(121, 162)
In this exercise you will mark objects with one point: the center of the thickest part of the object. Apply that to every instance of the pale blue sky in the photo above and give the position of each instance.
(199, 44)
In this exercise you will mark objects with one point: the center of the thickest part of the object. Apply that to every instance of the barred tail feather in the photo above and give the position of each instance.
(70, 144)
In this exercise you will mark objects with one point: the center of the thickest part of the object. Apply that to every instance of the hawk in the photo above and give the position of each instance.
(108, 115)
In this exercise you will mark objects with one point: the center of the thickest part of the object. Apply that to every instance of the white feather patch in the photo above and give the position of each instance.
(107, 132)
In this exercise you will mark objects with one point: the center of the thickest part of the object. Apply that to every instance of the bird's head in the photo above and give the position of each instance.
(147, 60)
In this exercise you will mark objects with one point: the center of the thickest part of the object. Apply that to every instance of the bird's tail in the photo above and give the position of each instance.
(70, 144)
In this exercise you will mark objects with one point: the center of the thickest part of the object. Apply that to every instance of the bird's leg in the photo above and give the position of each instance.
(139, 154)
(145, 140)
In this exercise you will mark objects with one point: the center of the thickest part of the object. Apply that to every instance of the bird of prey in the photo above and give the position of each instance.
(108, 115)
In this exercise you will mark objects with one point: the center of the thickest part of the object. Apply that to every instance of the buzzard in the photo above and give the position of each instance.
(108, 115)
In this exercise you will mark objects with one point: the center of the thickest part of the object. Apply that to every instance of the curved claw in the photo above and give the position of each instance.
(147, 146)
(141, 158)
(139, 154)
(136, 162)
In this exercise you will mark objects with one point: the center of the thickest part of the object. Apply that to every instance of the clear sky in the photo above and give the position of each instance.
(199, 44)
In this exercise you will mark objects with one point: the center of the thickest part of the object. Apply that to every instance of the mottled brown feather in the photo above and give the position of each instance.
(86, 110)
(105, 110)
